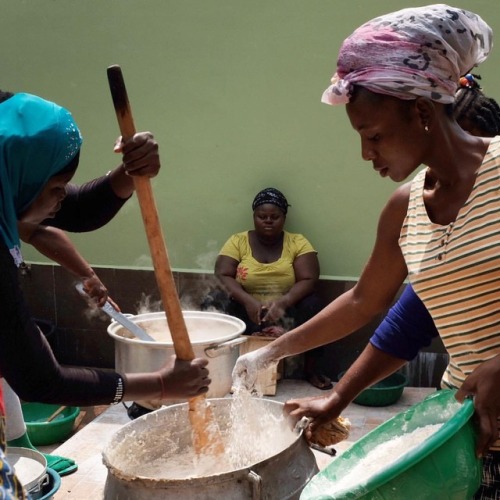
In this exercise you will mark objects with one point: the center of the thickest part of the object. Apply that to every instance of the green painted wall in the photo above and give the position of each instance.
(231, 90)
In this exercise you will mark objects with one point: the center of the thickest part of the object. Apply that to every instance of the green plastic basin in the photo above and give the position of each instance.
(383, 393)
(43, 433)
(443, 466)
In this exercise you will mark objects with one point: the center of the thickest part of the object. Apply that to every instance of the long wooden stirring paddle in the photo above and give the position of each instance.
(206, 436)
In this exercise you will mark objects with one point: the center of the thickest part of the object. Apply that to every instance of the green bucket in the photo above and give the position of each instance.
(442, 466)
(384, 393)
(41, 432)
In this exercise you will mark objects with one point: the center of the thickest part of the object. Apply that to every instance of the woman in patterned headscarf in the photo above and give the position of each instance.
(410, 53)
(398, 75)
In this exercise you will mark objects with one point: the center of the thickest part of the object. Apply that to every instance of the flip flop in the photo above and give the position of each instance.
(63, 466)
(320, 381)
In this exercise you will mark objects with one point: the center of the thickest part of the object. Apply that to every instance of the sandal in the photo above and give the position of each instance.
(320, 381)
(63, 466)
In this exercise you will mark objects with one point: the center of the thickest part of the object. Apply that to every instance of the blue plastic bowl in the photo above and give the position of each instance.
(52, 487)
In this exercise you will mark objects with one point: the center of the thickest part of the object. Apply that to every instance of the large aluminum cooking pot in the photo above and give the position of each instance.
(214, 336)
(167, 432)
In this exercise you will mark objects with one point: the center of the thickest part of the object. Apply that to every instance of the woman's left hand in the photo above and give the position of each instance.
(140, 154)
(95, 289)
(483, 385)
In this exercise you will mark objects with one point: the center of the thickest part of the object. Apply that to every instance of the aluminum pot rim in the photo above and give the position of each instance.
(240, 326)
(223, 476)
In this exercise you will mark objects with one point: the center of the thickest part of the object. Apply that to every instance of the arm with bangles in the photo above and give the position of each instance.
(28, 365)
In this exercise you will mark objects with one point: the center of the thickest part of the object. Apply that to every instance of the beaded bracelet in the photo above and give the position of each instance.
(119, 392)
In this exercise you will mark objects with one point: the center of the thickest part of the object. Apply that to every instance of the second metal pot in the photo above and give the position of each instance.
(213, 335)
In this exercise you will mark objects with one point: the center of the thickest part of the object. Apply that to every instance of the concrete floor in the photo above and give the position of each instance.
(86, 445)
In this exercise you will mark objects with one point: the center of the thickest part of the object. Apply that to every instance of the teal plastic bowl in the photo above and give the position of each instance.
(383, 393)
(40, 431)
(443, 466)
(52, 486)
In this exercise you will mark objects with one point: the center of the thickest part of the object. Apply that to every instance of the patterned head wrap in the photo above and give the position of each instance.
(412, 52)
(38, 139)
(272, 196)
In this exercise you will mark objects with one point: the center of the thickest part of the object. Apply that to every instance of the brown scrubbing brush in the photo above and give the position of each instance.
(331, 432)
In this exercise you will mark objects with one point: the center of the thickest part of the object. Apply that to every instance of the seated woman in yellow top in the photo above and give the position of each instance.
(271, 275)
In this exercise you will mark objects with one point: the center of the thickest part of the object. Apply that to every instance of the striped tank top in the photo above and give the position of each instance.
(455, 269)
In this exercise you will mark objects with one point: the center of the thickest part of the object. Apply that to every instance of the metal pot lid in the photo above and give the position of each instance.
(204, 328)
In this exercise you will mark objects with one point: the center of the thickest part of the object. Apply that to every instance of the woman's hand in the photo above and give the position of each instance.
(275, 310)
(483, 385)
(184, 379)
(95, 289)
(247, 368)
(140, 154)
(253, 308)
(318, 410)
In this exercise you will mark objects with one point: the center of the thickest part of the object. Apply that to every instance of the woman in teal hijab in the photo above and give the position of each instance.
(38, 139)
(39, 152)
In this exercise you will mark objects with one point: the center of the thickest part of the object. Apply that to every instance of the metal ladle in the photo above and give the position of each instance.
(132, 327)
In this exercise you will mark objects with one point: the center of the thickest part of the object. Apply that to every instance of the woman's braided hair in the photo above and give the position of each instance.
(4, 95)
(471, 104)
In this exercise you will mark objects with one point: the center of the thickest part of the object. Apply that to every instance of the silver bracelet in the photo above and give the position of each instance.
(119, 392)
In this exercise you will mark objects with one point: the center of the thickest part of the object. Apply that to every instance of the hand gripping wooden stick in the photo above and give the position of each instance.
(206, 437)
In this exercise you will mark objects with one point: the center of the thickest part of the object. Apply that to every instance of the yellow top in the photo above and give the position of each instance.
(266, 281)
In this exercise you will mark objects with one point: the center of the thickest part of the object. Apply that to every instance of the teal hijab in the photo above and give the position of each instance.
(37, 140)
